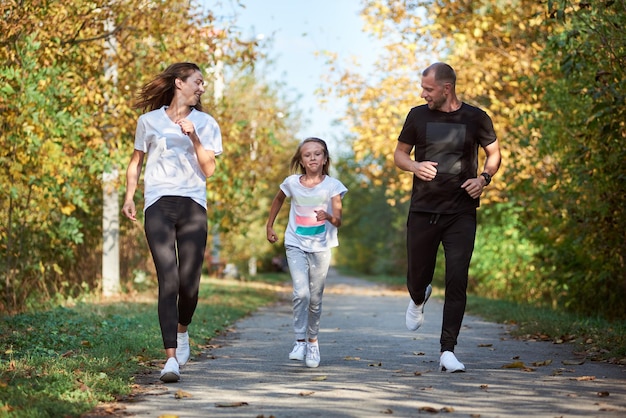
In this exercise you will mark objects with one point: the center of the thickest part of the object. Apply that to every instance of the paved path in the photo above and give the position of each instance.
(372, 367)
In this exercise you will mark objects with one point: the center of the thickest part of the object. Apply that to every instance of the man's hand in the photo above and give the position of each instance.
(474, 187)
(426, 170)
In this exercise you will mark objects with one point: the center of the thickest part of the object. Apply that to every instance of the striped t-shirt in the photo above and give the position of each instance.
(304, 230)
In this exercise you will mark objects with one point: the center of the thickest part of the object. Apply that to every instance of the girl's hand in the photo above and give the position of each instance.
(323, 215)
(271, 235)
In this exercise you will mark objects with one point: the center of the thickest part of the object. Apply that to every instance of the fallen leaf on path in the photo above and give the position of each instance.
(419, 353)
(416, 373)
(230, 404)
(573, 362)
(607, 409)
(603, 394)
(168, 416)
(474, 415)
(583, 378)
(387, 411)
(514, 365)
(350, 358)
(306, 393)
(429, 409)
(485, 345)
(447, 409)
(518, 365)
(375, 364)
(181, 394)
(542, 363)
(318, 378)
(484, 387)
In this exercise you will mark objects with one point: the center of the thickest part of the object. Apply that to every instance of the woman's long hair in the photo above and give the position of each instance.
(160, 91)
(296, 161)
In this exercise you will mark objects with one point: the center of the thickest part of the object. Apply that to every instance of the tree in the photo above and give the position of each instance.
(56, 140)
(554, 235)
(580, 143)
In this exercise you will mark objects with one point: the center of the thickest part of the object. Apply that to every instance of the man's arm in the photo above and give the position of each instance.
(475, 186)
(424, 170)
(492, 163)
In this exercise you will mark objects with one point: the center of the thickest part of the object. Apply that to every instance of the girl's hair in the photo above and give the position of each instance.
(160, 91)
(296, 161)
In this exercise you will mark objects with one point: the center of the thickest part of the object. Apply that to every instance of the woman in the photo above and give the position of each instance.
(181, 143)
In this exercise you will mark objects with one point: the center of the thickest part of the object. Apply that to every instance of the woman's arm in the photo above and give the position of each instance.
(133, 172)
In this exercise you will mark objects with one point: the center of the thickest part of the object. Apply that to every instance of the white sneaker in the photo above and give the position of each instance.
(415, 313)
(312, 354)
(449, 363)
(299, 351)
(182, 348)
(170, 372)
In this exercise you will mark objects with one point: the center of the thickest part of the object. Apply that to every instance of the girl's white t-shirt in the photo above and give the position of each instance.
(172, 167)
(304, 230)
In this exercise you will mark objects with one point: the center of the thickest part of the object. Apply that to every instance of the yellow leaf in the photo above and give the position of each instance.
(180, 394)
(542, 363)
(514, 365)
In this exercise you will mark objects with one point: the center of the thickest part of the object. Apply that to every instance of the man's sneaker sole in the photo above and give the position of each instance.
(453, 365)
(170, 377)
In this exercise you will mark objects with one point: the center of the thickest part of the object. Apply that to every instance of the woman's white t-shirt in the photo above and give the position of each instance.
(304, 230)
(172, 167)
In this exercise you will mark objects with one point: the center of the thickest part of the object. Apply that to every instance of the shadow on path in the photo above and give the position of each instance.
(372, 366)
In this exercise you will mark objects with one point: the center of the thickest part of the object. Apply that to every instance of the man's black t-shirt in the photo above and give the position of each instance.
(452, 140)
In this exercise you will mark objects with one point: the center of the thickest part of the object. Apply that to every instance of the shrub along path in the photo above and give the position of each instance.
(372, 366)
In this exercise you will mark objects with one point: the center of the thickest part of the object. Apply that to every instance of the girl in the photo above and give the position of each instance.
(314, 217)
(181, 142)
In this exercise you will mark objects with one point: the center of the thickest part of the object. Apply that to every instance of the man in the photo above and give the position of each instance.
(445, 134)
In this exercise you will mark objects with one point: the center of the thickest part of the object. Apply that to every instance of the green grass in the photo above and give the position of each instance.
(64, 361)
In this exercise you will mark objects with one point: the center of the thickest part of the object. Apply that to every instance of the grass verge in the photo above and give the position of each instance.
(64, 361)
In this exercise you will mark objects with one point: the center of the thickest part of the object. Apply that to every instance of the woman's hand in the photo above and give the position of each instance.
(129, 210)
(186, 126)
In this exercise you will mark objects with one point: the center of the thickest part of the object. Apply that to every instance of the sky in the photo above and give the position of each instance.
(299, 29)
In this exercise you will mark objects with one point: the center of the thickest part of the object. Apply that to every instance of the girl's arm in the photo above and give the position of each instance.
(277, 203)
(335, 218)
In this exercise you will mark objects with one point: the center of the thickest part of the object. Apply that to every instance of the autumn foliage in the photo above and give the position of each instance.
(68, 75)
(551, 74)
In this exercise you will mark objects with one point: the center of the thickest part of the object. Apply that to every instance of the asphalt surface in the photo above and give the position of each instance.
(372, 366)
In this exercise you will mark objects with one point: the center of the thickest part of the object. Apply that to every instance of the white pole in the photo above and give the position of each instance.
(110, 197)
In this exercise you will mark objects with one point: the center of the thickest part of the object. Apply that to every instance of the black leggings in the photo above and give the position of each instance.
(457, 232)
(176, 230)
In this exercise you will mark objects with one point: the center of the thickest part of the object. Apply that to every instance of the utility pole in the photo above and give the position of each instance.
(110, 198)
